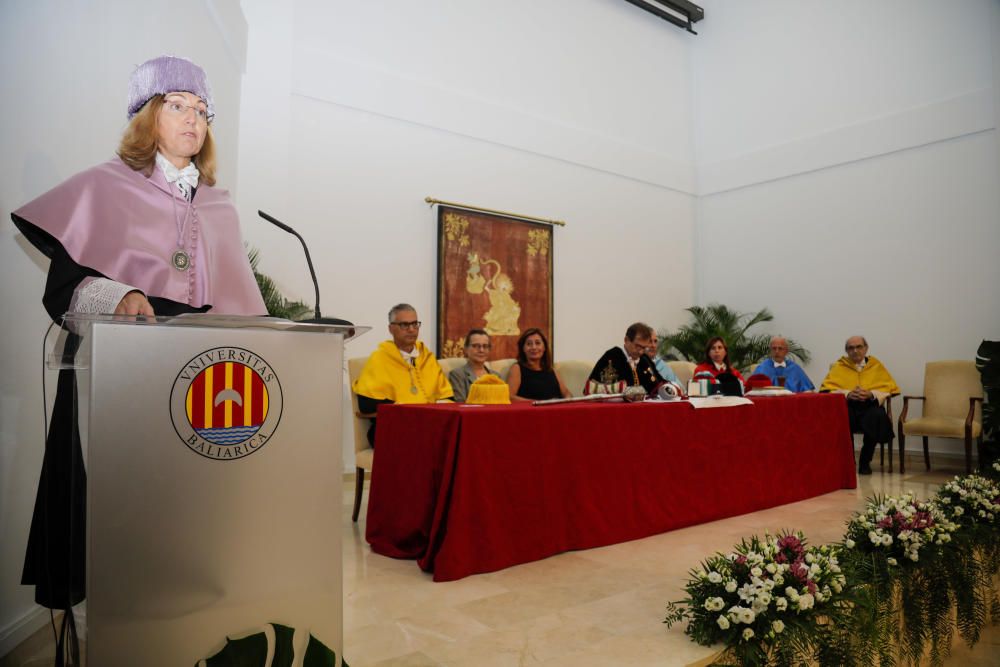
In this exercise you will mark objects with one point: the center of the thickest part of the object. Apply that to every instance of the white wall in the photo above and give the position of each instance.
(65, 74)
(848, 167)
(578, 110)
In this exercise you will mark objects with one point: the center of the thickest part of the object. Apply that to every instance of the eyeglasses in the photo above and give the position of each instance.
(408, 325)
(479, 346)
(178, 108)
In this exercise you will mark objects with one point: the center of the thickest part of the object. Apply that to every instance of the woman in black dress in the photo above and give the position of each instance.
(532, 378)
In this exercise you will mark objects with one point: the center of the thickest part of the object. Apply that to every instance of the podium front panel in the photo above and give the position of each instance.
(214, 490)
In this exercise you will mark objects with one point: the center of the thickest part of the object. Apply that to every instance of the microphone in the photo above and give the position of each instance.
(318, 319)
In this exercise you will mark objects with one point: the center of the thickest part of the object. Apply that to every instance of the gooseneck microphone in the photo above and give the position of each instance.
(318, 319)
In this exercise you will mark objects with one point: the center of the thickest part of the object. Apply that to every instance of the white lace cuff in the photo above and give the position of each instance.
(98, 296)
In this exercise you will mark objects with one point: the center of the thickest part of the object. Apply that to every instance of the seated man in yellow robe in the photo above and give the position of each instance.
(401, 370)
(866, 383)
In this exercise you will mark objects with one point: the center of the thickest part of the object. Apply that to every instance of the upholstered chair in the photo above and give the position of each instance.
(363, 452)
(574, 374)
(451, 363)
(953, 397)
(501, 366)
(684, 370)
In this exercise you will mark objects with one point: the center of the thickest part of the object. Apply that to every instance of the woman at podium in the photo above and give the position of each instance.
(144, 233)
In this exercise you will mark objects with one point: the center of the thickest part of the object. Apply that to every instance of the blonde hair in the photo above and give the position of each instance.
(138, 145)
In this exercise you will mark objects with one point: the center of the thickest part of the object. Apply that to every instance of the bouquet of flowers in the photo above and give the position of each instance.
(898, 529)
(765, 600)
(902, 549)
(970, 501)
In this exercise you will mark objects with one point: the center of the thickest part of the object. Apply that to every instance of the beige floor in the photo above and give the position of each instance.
(598, 607)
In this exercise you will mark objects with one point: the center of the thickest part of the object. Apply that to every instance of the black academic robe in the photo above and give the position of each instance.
(613, 367)
(54, 562)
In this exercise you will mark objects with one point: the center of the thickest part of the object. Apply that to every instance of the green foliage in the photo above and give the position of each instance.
(907, 576)
(745, 349)
(277, 305)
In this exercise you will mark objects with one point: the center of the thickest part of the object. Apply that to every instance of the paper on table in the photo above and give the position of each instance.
(718, 401)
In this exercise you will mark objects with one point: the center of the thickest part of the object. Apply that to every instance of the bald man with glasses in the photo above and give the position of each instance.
(401, 370)
(866, 383)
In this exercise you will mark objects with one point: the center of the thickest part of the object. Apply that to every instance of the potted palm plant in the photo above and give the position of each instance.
(745, 348)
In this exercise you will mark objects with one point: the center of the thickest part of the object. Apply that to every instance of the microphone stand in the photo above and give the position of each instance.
(318, 318)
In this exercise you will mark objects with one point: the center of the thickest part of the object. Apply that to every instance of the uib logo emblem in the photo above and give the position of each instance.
(226, 403)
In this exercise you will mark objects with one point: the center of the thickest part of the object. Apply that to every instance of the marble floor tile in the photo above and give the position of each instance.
(602, 606)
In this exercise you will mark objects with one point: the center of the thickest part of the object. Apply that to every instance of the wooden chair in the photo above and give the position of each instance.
(364, 455)
(953, 397)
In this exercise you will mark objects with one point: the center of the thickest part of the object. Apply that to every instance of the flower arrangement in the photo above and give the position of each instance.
(906, 576)
(970, 501)
(764, 599)
(899, 547)
(898, 528)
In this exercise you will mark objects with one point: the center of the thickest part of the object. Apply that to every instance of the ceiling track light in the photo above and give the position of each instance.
(679, 12)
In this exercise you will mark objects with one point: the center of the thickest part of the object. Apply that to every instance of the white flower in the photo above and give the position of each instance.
(723, 622)
(714, 577)
(886, 541)
(891, 561)
(778, 626)
(792, 594)
(731, 586)
(771, 568)
(758, 606)
(747, 591)
(778, 579)
(747, 634)
(810, 558)
(756, 571)
(814, 569)
(781, 604)
(875, 538)
(849, 543)
(806, 601)
(745, 615)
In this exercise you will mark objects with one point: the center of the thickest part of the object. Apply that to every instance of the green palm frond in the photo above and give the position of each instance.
(707, 322)
(277, 305)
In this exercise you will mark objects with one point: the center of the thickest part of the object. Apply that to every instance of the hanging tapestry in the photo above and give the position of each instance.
(494, 273)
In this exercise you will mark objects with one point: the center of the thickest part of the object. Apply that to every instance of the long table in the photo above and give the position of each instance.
(471, 489)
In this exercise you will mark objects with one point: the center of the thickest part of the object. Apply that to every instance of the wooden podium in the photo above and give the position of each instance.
(214, 503)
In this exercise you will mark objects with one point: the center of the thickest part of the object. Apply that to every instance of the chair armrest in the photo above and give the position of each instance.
(906, 407)
(364, 415)
(888, 406)
(972, 411)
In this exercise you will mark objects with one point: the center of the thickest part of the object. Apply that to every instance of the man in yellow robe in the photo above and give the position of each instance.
(866, 383)
(401, 370)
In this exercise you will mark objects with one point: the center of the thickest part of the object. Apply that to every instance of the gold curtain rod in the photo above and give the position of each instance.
(432, 201)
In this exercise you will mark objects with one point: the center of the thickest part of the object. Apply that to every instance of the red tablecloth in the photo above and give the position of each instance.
(469, 489)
